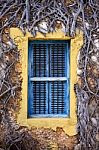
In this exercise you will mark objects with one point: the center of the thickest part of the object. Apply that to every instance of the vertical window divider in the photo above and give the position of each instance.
(30, 84)
(39, 76)
(66, 72)
(49, 81)
(57, 82)
(47, 73)
(68, 76)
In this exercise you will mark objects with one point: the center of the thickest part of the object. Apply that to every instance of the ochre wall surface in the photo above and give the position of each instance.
(68, 124)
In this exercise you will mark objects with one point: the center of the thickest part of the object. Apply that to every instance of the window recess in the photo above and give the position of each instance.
(48, 78)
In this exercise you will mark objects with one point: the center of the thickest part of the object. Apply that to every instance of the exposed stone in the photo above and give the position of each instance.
(94, 121)
(94, 58)
(97, 137)
(77, 147)
(43, 27)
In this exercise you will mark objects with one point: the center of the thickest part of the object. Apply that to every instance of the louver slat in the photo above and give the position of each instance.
(39, 57)
(57, 60)
(57, 90)
(39, 98)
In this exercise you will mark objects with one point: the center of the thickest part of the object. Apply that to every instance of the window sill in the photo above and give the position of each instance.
(48, 116)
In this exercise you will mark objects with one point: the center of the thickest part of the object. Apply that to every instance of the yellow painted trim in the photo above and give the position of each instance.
(68, 124)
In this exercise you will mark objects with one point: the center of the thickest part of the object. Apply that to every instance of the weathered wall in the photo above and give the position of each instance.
(27, 15)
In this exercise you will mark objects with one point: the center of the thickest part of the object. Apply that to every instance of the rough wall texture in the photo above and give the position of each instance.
(28, 15)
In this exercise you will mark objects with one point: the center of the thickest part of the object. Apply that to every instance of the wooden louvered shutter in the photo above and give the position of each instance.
(48, 89)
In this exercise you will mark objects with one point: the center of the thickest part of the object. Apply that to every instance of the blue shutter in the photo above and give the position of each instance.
(57, 69)
(39, 70)
(49, 59)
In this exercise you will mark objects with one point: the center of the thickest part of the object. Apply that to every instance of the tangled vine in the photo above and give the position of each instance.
(71, 14)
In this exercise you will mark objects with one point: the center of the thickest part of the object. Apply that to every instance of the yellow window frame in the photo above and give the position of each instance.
(68, 124)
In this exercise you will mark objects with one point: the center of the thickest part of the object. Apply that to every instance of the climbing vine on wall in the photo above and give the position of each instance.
(70, 15)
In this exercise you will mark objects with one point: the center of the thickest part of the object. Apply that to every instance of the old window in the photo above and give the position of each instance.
(48, 78)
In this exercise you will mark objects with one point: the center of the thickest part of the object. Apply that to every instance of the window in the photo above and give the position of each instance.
(48, 78)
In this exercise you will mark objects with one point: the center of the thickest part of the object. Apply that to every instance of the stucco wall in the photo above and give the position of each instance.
(68, 124)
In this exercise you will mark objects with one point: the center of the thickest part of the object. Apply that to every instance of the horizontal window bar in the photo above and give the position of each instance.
(48, 79)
